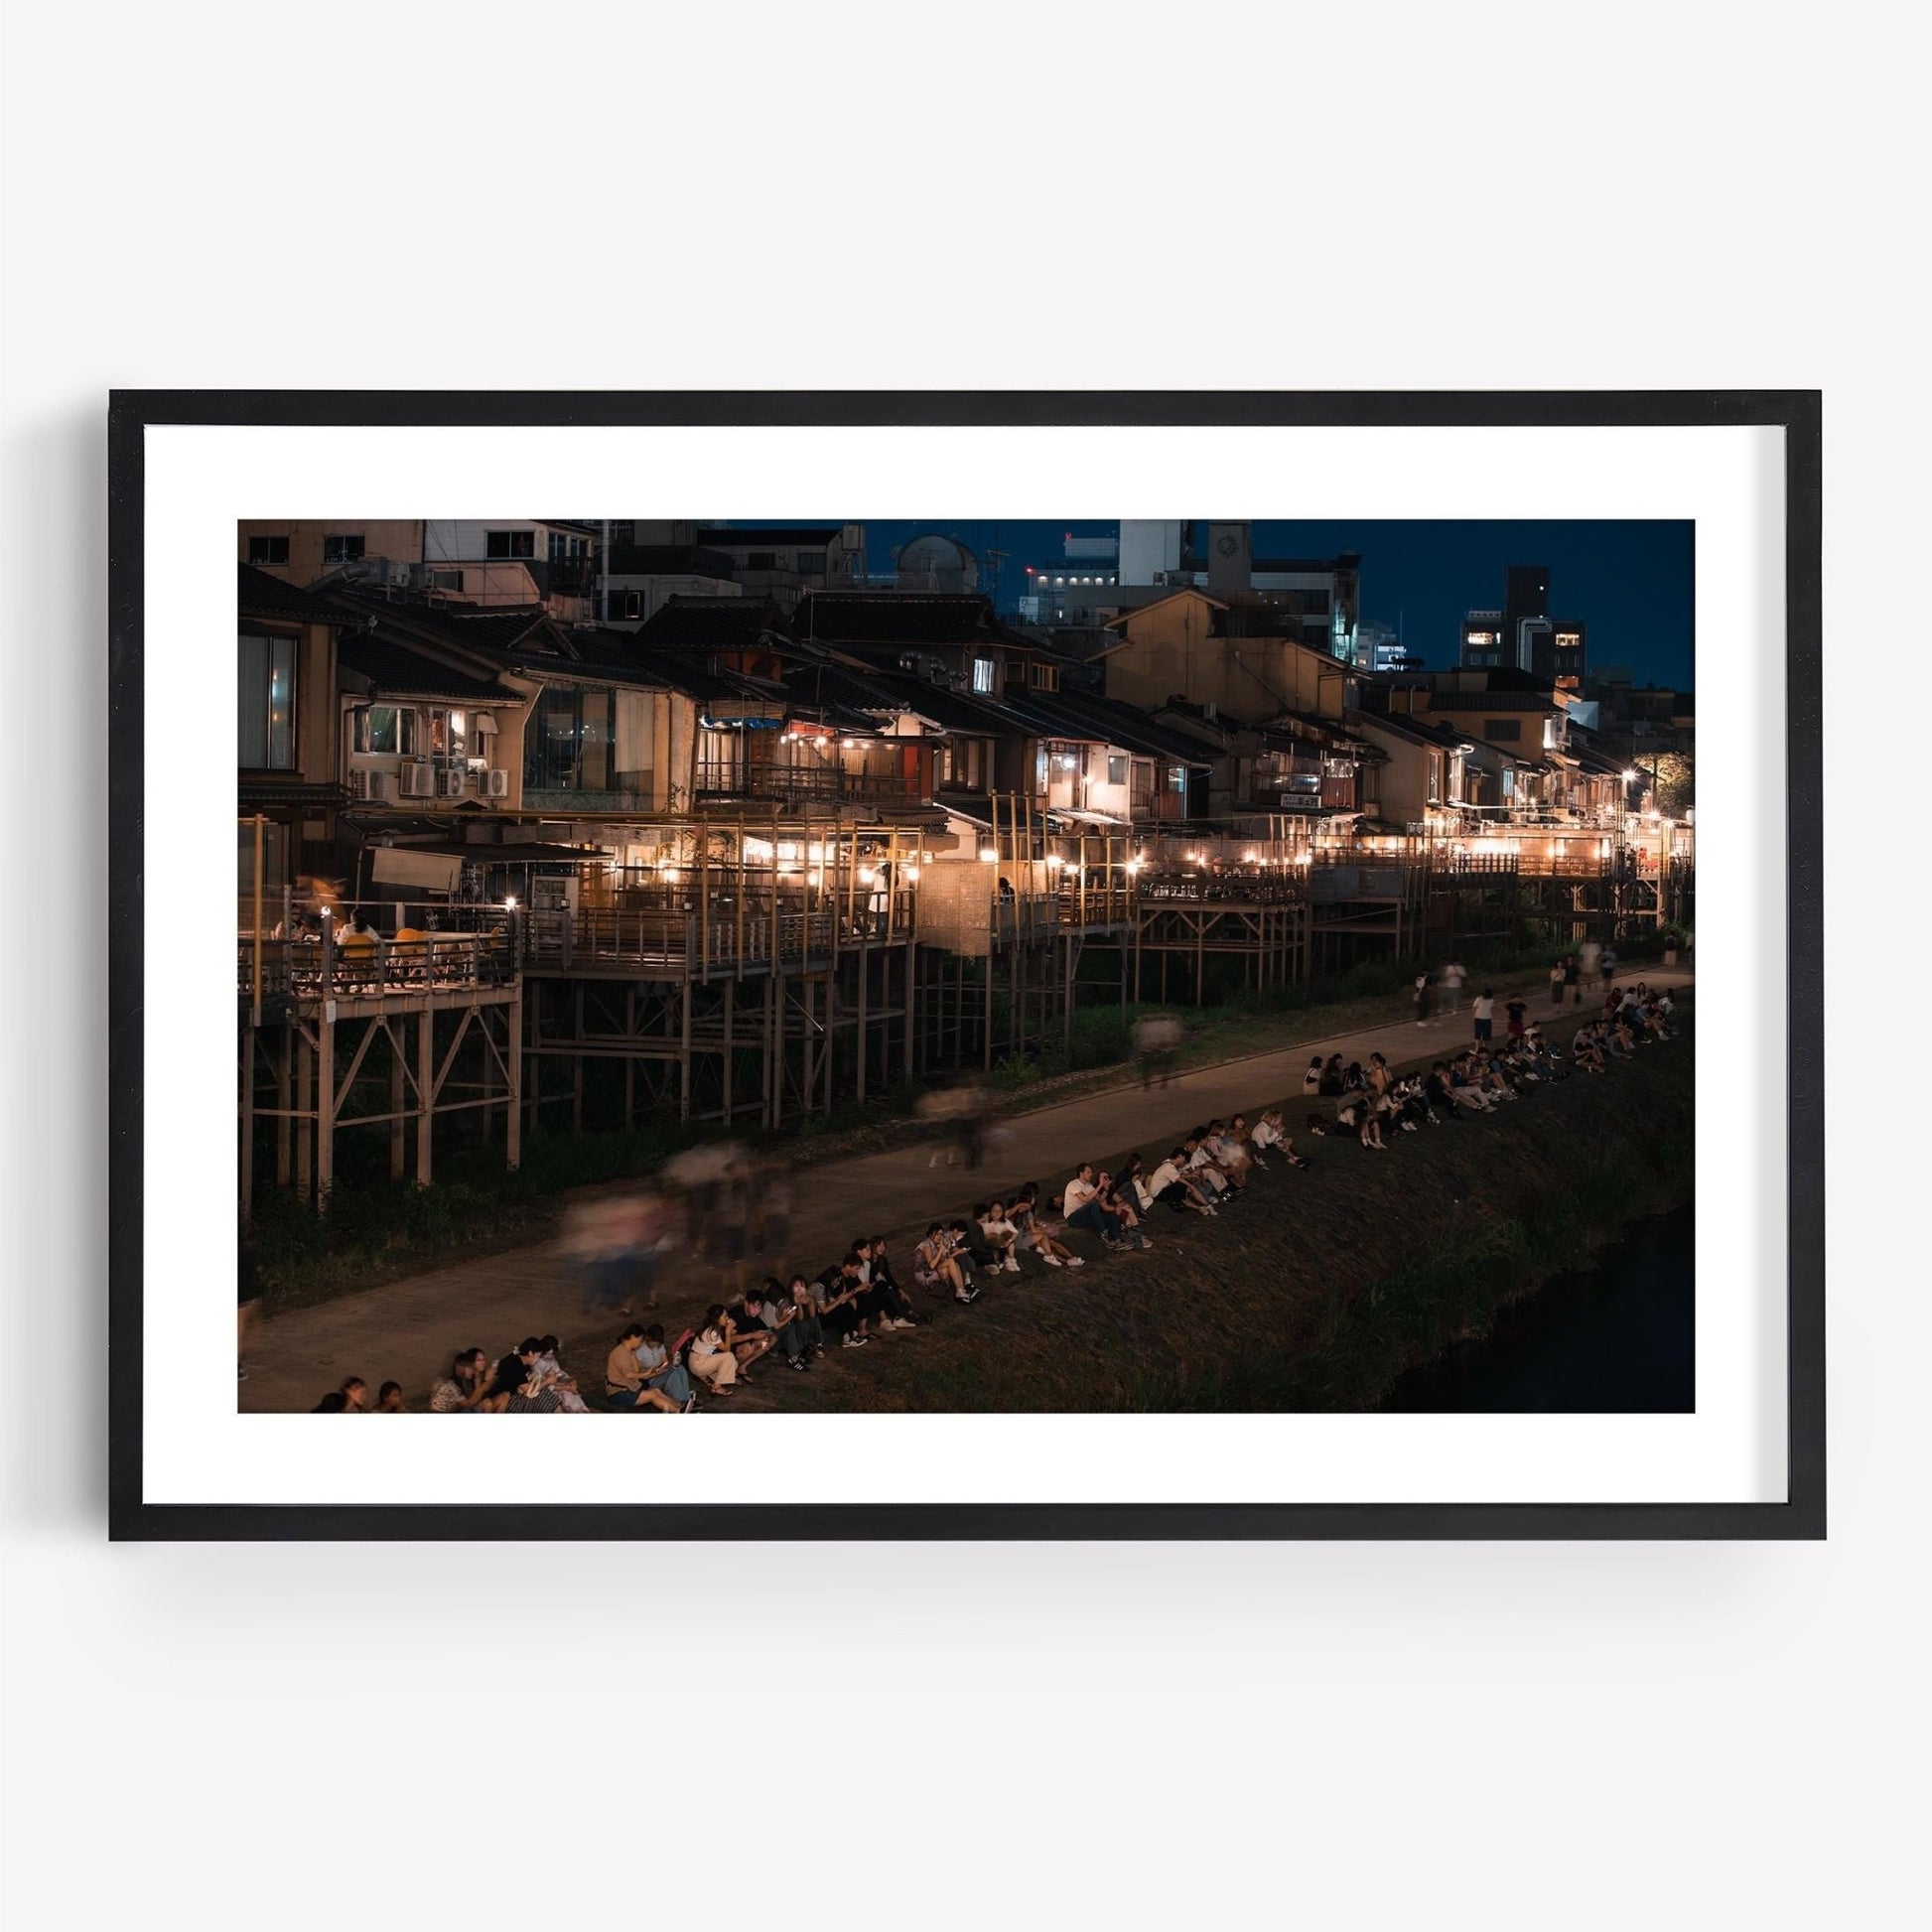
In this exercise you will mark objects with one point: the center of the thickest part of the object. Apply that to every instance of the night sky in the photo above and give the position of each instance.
(1631, 582)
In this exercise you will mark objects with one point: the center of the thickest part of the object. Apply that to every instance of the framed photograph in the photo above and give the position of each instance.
(1058, 965)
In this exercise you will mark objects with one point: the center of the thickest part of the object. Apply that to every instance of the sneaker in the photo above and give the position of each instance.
(1052, 1260)
(1076, 1261)
(796, 1363)
(690, 1406)
(1012, 1264)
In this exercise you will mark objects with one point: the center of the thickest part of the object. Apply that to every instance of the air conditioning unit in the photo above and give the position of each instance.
(500, 784)
(370, 785)
(452, 784)
(418, 781)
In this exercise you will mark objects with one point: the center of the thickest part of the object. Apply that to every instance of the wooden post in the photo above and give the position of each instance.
(630, 1057)
(248, 1124)
(808, 1069)
(513, 1061)
(284, 1069)
(912, 997)
(325, 1104)
(305, 1126)
(683, 1053)
(576, 1063)
(425, 1095)
(398, 1140)
(865, 975)
(255, 990)
(731, 1055)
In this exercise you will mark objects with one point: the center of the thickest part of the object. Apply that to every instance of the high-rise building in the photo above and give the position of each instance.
(1523, 635)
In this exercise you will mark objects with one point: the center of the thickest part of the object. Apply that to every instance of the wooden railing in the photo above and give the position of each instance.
(277, 973)
(663, 930)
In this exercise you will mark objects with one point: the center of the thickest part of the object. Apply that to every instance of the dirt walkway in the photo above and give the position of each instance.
(408, 1330)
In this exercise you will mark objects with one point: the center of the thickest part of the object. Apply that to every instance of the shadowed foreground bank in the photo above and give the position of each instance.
(1323, 1287)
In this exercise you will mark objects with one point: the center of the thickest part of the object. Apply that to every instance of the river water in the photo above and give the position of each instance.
(1617, 1339)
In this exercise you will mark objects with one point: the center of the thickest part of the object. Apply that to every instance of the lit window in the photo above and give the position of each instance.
(984, 669)
(385, 728)
(266, 720)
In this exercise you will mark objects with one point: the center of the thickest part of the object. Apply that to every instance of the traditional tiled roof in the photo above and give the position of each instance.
(712, 623)
(900, 617)
(395, 670)
(267, 597)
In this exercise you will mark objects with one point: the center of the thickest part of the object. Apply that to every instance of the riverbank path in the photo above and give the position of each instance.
(407, 1329)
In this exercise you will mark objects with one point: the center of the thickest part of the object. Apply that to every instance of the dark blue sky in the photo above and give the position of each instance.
(1631, 582)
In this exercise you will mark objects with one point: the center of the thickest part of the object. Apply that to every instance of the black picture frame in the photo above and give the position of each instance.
(1797, 413)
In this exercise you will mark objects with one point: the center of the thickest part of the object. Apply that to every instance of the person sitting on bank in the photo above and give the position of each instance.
(631, 1380)
(1332, 1077)
(1170, 1184)
(749, 1337)
(556, 1376)
(935, 1266)
(1271, 1136)
(1206, 1173)
(1120, 1200)
(1312, 1079)
(791, 1313)
(1000, 1234)
(1037, 1231)
(886, 1304)
(464, 1388)
(841, 1288)
(708, 1357)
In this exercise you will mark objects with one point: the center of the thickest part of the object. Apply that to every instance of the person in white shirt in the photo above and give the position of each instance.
(1209, 1174)
(1270, 1134)
(1453, 977)
(1080, 1208)
(1170, 1184)
(1000, 1234)
(1483, 1011)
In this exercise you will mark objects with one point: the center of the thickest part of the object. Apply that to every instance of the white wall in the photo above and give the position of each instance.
(1345, 1735)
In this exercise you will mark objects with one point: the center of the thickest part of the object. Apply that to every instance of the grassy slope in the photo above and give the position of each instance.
(1319, 1289)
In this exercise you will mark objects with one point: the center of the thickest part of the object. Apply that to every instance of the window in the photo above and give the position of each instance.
(984, 669)
(266, 721)
(510, 543)
(384, 727)
(562, 548)
(760, 560)
(265, 551)
(1178, 777)
(445, 580)
(342, 550)
(1502, 731)
(811, 563)
(1116, 769)
(1478, 637)
(569, 741)
(633, 604)
(1043, 677)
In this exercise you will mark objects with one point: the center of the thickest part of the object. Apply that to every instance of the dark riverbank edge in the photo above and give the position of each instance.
(1325, 1287)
